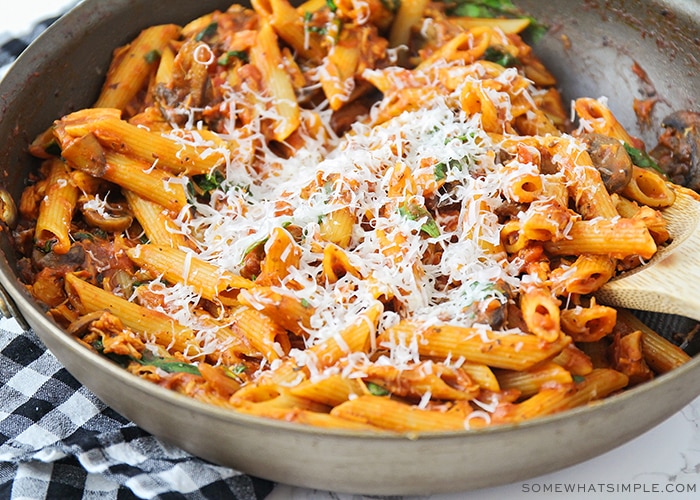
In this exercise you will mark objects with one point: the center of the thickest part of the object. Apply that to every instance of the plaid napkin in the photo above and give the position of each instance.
(58, 440)
(10, 48)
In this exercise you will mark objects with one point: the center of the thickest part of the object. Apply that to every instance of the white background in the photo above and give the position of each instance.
(18, 19)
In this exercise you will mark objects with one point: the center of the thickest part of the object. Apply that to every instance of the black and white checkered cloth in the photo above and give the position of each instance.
(12, 47)
(59, 441)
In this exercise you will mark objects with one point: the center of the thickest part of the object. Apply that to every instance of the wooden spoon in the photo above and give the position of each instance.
(670, 281)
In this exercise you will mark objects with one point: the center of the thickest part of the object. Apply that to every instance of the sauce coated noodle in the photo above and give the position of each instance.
(315, 214)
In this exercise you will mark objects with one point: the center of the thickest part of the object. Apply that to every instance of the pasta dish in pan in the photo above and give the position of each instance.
(346, 214)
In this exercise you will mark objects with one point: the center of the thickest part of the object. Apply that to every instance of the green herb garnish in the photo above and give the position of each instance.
(237, 369)
(234, 371)
(642, 159)
(498, 8)
(82, 236)
(225, 58)
(377, 390)
(47, 246)
(209, 182)
(207, 32)
(440, 172)
(169, 365)
(152, 56)
(391, 5)
(417, 212)
(500, 57)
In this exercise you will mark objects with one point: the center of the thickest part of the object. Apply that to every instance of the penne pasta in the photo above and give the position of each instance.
(618, 239)
(511, 351)
(56, 209)
(178, 266)
(659, 353)
(159, 227)
(152, 183)
(371, 216)
(140, 319)
(396, 416)
(133, 64)
(123, 137)
(529, 382)
(598, 384)
(265, 54)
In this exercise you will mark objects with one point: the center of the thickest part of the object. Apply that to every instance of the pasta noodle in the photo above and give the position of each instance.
(345, 214)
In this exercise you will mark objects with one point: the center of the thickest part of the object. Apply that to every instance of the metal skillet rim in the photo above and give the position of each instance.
(50, 332)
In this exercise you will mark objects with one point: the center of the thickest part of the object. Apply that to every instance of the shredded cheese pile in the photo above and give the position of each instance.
(357, 172)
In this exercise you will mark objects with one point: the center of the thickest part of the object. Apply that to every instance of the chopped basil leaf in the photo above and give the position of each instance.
(440, 172)
(82, 235)
(209, 182)
(203, 185)
(500, 57)
(207, 32)
(120, 359)
(536, 30)
(377, 390)
(168, 365)
(47, 246)
(485, 8)
(234, 371)
(642, 158)
(321, 30)
(152, 56)
(417, 212)
(498, 8)
(238, 369)
(225, 58)
(431, 228)
(255, 245)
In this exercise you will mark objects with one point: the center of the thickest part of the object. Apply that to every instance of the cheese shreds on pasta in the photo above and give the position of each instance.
(414, 228)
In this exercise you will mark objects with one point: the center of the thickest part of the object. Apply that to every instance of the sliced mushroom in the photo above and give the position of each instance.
(678, 151)
(611, 160)
(80, 327)
(8, 209)
(87, 154)
(69, 261)
(110, 217)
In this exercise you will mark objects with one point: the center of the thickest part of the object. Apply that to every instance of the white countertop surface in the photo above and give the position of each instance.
(662, 463)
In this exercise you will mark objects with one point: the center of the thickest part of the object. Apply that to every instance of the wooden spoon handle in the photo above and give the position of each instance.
(671, 289)
(670, 283)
